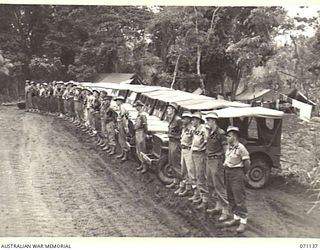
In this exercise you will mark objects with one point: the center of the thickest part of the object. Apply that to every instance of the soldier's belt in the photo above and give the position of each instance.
(185, 147)
(174, 139)
(215, 156)
(198, 151)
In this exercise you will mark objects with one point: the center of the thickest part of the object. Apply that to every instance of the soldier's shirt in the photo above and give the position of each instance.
(27, 89)
(70, 94)
(235, 155)
(96, 104)
(175, 127)
(187, 135)
(42, 92)
(111, 115)
(141, 121)
(65, 94)
(200, 136)
(76, 95)
(103, 110)
(123, 113)
(216, 141)
(90, 101)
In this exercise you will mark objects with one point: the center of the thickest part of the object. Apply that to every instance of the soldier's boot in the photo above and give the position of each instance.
(99, 142)
(113, 151)
(94, 133)
(214, 211)
(231, 223)
(197, 200)
(109, 150)
(172, 184)
(120, 155)
(89, 131)
(242, 227)
(125, 156)
(186, 192)
(223, 217)
(203, 205)
(179, 190)
(144, 169)
(140, 167)
(85, 128)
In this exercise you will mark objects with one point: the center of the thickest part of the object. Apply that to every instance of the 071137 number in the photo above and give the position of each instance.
(308, 246)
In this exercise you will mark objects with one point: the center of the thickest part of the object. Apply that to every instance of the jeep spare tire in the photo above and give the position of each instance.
(164, 172)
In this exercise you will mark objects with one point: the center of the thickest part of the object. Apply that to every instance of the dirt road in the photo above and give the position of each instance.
(55, 182)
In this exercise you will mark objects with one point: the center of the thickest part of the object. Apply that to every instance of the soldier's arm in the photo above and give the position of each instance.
(245, 156)
(205, 135)
(144, 122)
(224, 142)
(247, 165)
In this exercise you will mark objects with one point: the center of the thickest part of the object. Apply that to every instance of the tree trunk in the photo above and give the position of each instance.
(211, 24)
(202, 85)
(175, 71)
(235, 84)
(223, 91)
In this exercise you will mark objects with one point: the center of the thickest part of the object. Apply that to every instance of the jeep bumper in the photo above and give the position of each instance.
(150, 159)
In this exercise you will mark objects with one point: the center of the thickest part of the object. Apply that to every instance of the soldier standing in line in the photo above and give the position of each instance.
(37, 97)
(70, 102)
(51, 101)
(31, 93)
(111, 120)
(123, 128)
(90, 110)
(141, 129)
(95, 110)
(46, 104)
(54, 102)
(102, 135)
(28, 95)
(88, 101)
(174, 134)
(237, 162)
(59, 93)
(42, 98)
(216, 148)
(77, 105)
(198, 150)
(187, 166)
(65, 100)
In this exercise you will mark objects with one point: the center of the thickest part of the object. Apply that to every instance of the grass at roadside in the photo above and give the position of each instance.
(301, 154)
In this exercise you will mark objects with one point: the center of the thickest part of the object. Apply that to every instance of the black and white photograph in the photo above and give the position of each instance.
(160, 121)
